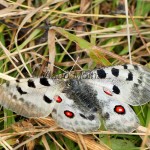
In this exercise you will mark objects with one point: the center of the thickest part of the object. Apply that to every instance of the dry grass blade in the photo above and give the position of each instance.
(145, 138)
(87, 140)
(52, 49)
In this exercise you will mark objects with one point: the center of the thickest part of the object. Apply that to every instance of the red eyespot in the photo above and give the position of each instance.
(58, 99)
(69, 114)
(108, 92)
(119, 109)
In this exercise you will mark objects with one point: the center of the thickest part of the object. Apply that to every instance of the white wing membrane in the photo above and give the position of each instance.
(119, 117)
(26, 97)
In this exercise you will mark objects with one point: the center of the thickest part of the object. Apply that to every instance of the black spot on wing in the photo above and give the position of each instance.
(130, 76)
(44, 81)
(139, 81)
(115, 72)
(136, 85)
(83, 116)
(47, 100)
(20, 90)
(106, 115)
(94, 109)
(17, 80)
(91, 117)
(101, 73)
(116, 90)
(31, 83)
(136, 67)
(125, 66)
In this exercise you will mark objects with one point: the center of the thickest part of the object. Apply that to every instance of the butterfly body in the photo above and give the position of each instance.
(79, 104)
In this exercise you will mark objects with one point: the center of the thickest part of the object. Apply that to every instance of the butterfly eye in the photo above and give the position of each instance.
(108, 92)
(119, 109)
(69, 114)
(58, 99)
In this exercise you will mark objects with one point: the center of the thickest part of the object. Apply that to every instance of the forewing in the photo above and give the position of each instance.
(128, 83)
(27, 97)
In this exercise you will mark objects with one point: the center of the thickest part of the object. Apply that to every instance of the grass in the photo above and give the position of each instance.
(77, 36)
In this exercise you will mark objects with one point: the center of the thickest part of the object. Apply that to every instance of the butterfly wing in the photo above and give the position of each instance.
(117, 87)
(128, 83)
(70, 117)
(74, 110)
(118, 116)
(27, 96)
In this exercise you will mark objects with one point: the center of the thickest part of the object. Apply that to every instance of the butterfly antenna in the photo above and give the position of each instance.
(74, 65)
(68, 53)
(39, 66)
(57, 67)
(47, 61)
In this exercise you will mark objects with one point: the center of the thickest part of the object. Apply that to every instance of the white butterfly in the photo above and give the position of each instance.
(79, 104)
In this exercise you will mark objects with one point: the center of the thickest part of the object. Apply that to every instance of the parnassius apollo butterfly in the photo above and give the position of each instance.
(79, 104)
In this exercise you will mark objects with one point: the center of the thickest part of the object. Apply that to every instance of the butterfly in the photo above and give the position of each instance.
(79, 104)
